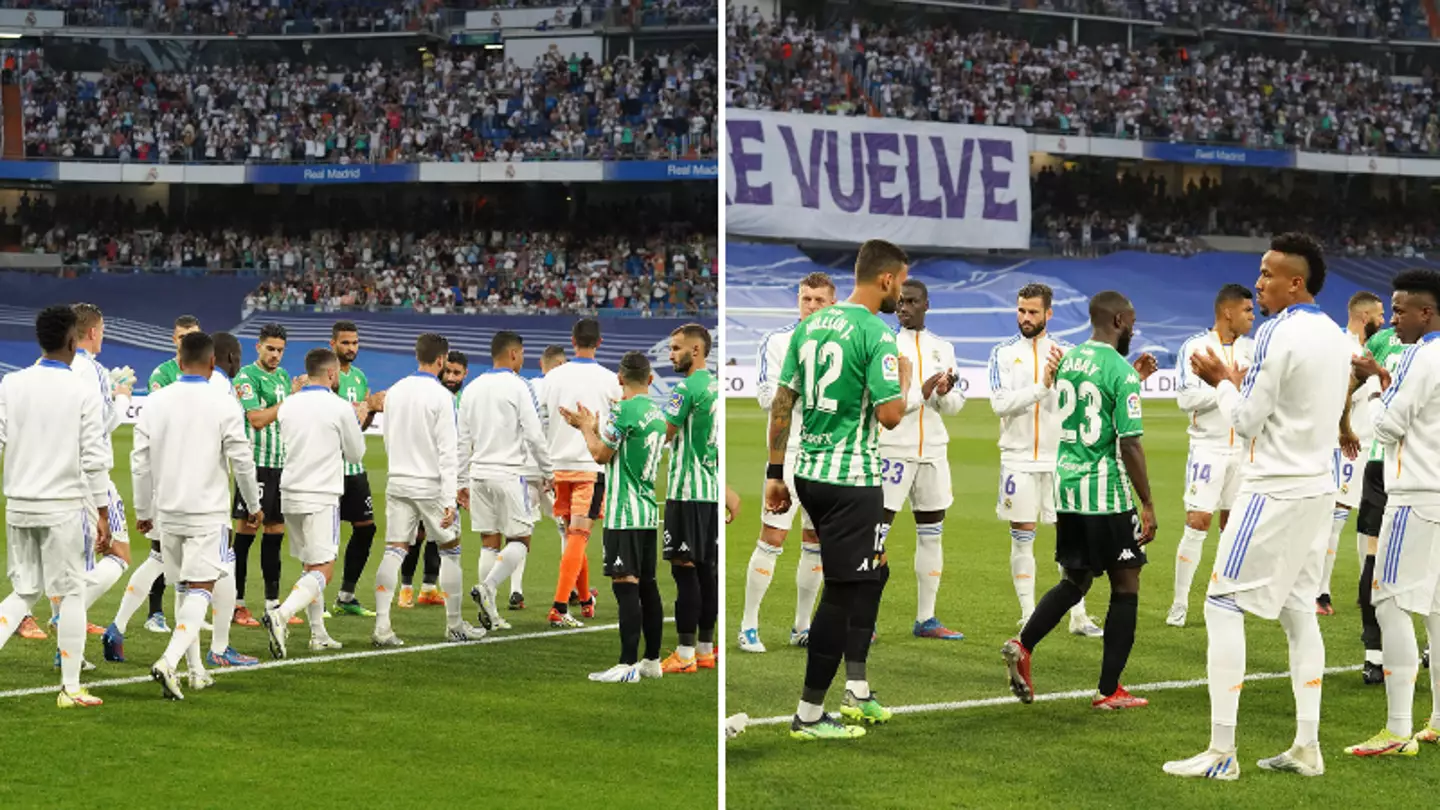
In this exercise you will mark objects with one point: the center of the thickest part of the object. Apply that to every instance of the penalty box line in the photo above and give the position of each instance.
(1076, 694)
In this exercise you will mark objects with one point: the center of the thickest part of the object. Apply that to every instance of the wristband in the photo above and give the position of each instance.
(775, 472)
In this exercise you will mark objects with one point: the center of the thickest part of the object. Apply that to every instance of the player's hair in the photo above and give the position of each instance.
(1230, 293)
(818, 280)
(187, 322)
(1104, 306)
(1418, 280)
(1037, 290)
(552, 351)
(317, 360)
(876, 258)
(225, 344)
(695, 331)
(53, 327)
(1304, 246)
(635, 367)
(195, 349)
(503, 341)
(87, 317)
(586, 333)
(430, 347)
(458, 358)
(1364, 298)
(274, 330)
(343, 326)
(919, 285)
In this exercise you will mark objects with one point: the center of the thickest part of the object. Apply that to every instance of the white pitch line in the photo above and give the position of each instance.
(328, 659)
(980, 703)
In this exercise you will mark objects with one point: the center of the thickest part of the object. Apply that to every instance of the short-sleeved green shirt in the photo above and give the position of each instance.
(1386, 348)
(164, 374)
(842, 361)
(694, 454)
(354, 387)
(636, 432)
(1099, 402)
(259, 389)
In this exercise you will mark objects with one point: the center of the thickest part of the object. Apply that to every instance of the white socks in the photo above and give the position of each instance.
(310, 587)
(70, 638)
(387, 576)
(1337, 525)
(860, 689)
(507, 559)
(1402, 665)
(188, 619)
(450, 583)
(1022, 568)
(487, 562)
(12, 611)
(1187, 559)
(1224, 668)
(517, 579)
(222, 603)
(809, 712)
(929, 562)
(102, 578)
(1307, 670)
(757, 580)
(137, 590)
(809, 577)
(1432, 632)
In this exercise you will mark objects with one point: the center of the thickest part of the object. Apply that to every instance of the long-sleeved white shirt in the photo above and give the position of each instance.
(94, 373)
(321, 436)
(921, 434)
(1288, 406)
(220, 381)
(769, 359)
(500, 430)
(53, 440)
(1208, 427)
(189, 439)
(1029, 410)
(585, 382)
(537, 389)
(421, 440)
(1407, 424)
(1362, 416)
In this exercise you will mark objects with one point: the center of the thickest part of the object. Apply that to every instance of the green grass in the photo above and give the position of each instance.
(1011, 755)
(516, 723)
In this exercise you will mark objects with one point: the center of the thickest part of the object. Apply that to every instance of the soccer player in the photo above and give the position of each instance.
(321, 433)
(817, 291)
(1408, 559)
(843, 369)
(1290, 405)
(579, 481)
(1021, 394)
(421, 443)
(541, 499)
(457, 366)
(1096, 530)
(914, 464)
(501, 437)
(356, 505)
(57, 457)
(692, 500)
(630, 445)
(262, 386)
(1216, 460)
(189, 439)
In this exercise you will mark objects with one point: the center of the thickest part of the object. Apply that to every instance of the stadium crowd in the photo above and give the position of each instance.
(942, 74)
(444, 108)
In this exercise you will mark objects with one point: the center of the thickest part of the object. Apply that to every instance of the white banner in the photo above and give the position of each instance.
(974, 382)
(917, 184)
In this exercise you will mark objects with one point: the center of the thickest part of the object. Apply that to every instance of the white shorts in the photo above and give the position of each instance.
(314, 536)
(1026, 497)
(1407, 564)
(195, 556)
(503, 507)
(542, 501)
(49, 558)
(786, 520)
(926, 484)
(1349, 477)
(119, 531)
(1212, 479)
(403, 517)
(1272, 553)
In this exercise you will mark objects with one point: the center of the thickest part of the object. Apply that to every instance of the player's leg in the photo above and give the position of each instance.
(61, 557)
(1324, 606)
(706, 518)
(1120, 633)
(1367, 526)
(652, 606)
(623, 559)
(402, 520)
(809, 569)
(511, 514)
(1205, 476)
(222, 607)
(447, 538)
(1431, 732)
(244, 539)
(430, 576)
(109, 568)
(760, 572)
(542, 504)
(407, 572)
(194, 562)
(315, 542)
(929, 499)
(687, 606)
(155, 623)
(357, 507)
(1018, 504)
(572, 507)
(23, 565)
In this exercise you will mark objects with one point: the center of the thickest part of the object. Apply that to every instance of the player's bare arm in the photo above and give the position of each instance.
(583, 420)
(1349, 442)
(890, 413)
(928, 388)
(263, 417)
(1132, 453)
(782, 411)
(1052, 365)
(1365, 367)
(732, 504)
(1145, 365)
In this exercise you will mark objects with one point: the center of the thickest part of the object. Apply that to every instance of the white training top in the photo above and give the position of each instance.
(321, 435)
(921, 434)
(56, 450)
(421, 439)
(582, 381)
(770, 360)
(1362, 416)
(1208, 427)
(1029, 411)
(1407, 425)
(500, 430)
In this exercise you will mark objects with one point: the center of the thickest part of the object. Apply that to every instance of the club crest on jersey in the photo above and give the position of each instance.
(673, 404)
(890, 368)
(1132, 405)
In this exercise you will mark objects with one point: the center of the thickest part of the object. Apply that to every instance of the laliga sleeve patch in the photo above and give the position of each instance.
(246, 391)
(1132, 405)
(890, 368)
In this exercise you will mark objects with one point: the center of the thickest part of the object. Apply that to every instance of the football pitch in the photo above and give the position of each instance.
(508, 721)
(960, 740)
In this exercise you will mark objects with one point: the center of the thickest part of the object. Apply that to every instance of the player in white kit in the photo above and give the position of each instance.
(817, 291)
(1289, 407)
(914, 464)
(542, 499)
(1217, 457)
(1023, 396)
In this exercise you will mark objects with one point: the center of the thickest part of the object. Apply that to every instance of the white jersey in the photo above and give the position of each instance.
(220, 381)
(1029, 410)
(1362, 417)
(1407, 425)
(53, 439)
(188, 440)
(537, 388)
(91, 370)
(421, 439)
(585, 382)
(769, 360)
(321, 436)
(1208, 428)
(1289, 404)
(500, 430)
(921, 434)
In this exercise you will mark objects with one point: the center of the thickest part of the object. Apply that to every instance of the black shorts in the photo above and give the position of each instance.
(848, 522)
(1098, 543)
(1372, 500)
(692, 532)
(356, 505)
(269, 480)
(629, 553)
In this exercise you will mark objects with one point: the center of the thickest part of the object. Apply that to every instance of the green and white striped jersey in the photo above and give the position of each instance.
(694, 454)
(259, 389)
(636, 432)
(354, 387)
(842, 362)
(1386, 348)
(1099, 403)
(164, 374)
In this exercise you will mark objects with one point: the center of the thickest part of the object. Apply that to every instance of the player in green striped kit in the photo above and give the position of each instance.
(630, 445)
(261, 387)
(356, 504)
(692, 515)
(1096, 530)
